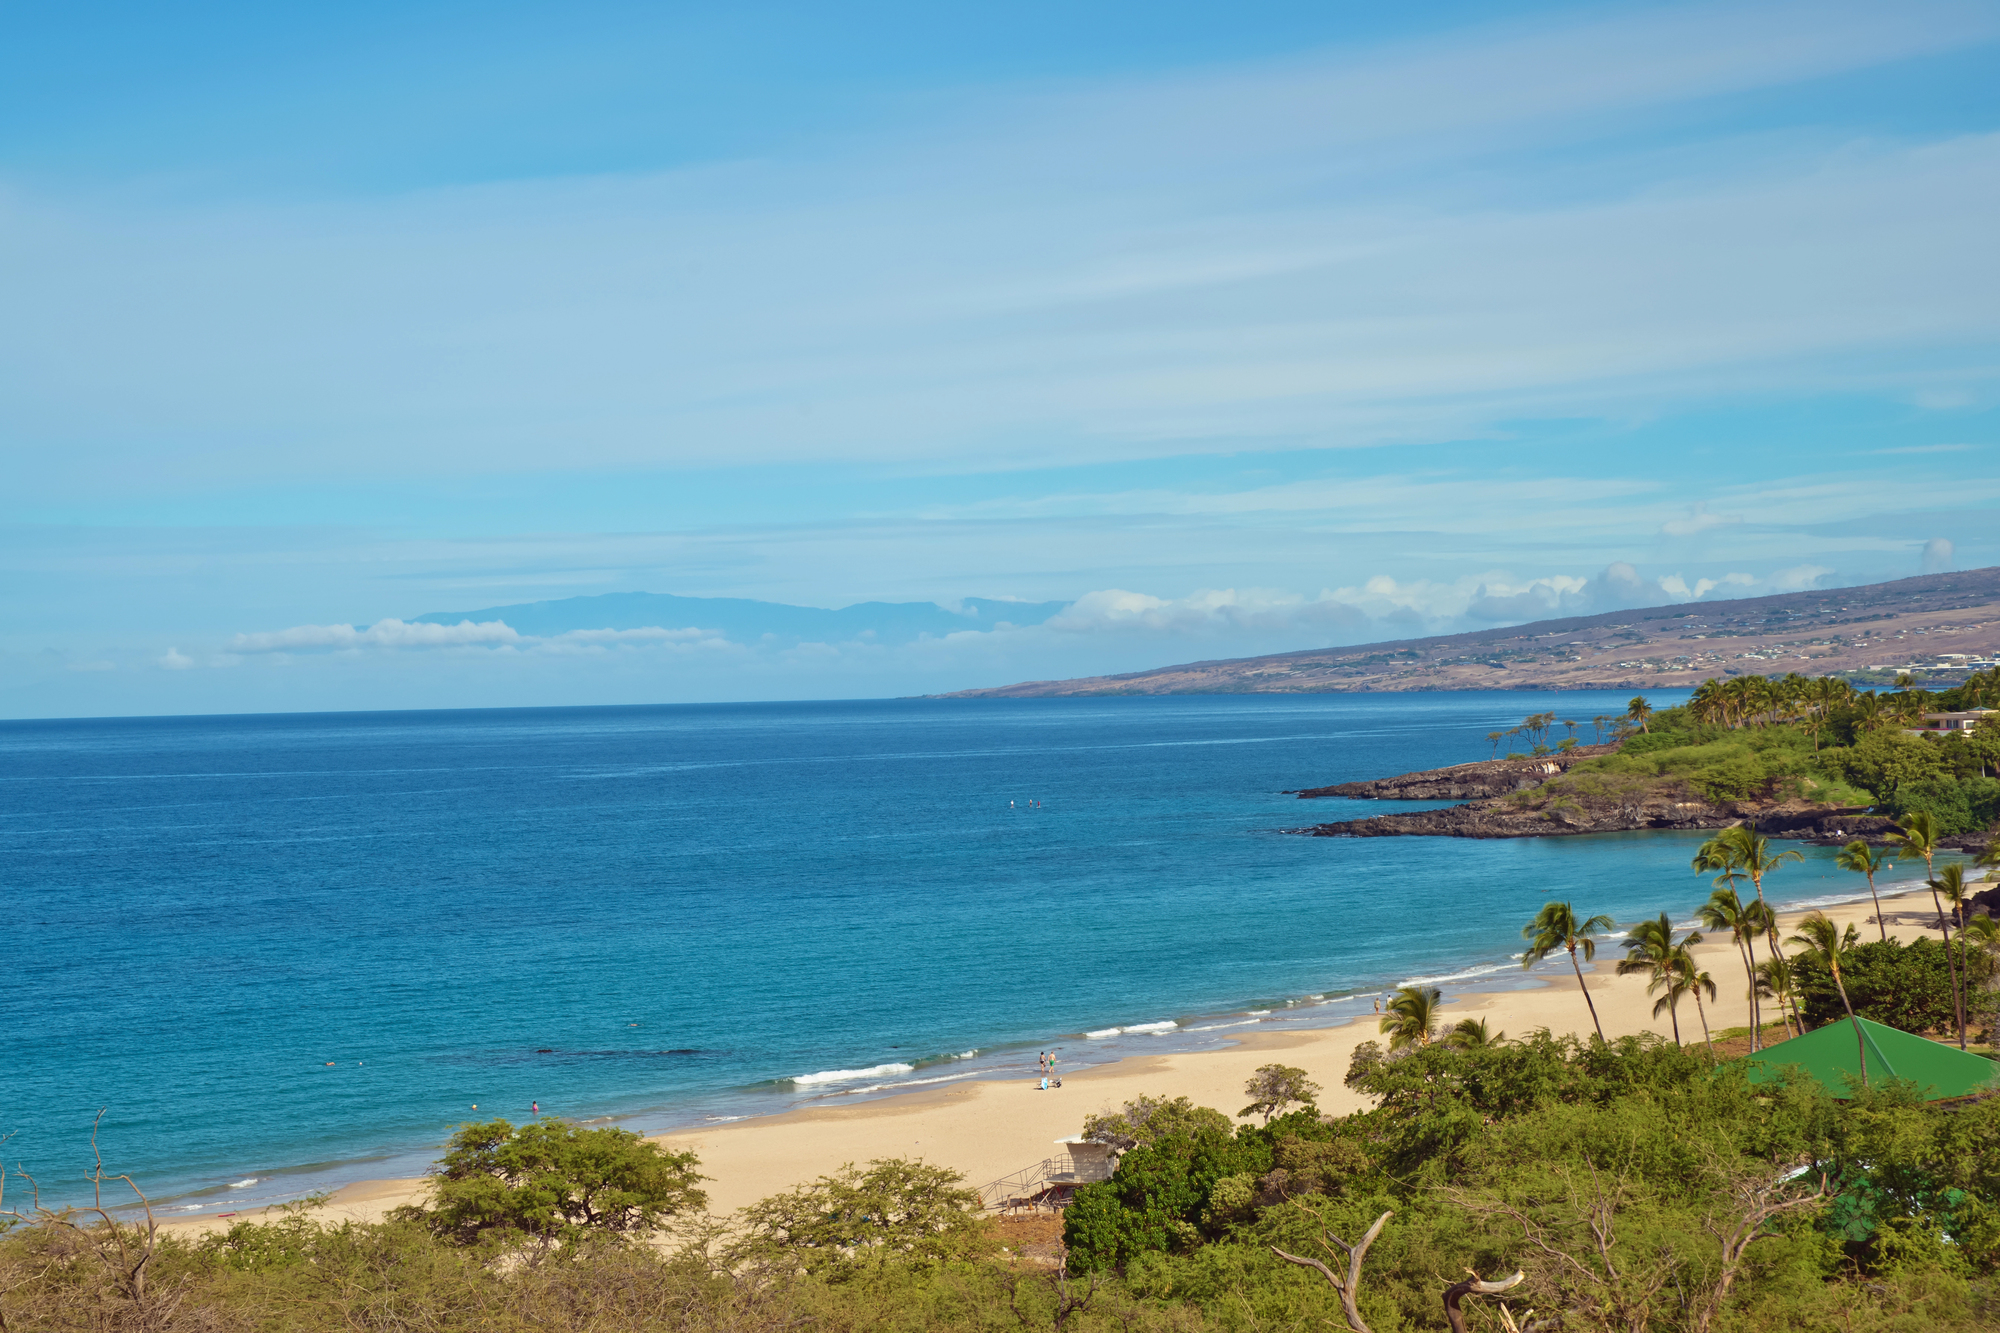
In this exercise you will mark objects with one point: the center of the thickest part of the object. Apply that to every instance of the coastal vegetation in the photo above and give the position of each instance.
(1547, 1183)
(1795, 738)
(1631, 1185)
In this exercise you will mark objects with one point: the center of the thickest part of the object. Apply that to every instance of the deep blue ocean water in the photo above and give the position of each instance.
(297, 949)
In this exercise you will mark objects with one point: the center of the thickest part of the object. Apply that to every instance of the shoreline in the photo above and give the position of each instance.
(990, 1126)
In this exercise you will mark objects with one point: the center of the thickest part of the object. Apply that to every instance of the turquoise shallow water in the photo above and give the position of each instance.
(296, 949)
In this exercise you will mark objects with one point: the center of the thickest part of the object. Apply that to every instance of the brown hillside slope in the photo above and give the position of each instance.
(1908, 622)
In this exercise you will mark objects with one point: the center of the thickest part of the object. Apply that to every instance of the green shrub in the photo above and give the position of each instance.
(897, 1212)
(555, 1183)
(1905, 986)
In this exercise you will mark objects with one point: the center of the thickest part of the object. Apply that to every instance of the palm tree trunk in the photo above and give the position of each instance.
(1703, 1011)
(1674, 1012)
(1586, 993)
(1745, 942)
(1880, 924)
(1957, 998)
(1860, 1042)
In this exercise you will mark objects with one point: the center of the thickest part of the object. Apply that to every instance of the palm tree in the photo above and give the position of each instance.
(1917, 832)
(1639, 710)
(1774, 978)
(1862, 859)
(1695, 981)
(1986, 930)
(1650, 948)
(1556, 927)
(1411, 1017)
(1755, 858)
(1472, 1034)
(1951, 886)
(1725, 911)
(1821, 937)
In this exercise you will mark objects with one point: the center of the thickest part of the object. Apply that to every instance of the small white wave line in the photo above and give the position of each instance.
(904, 1083)
(243, 1184)
(1166, 1025)
(845, 1075)
(1466, 975)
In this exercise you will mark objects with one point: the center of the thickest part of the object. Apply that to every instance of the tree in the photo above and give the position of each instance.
(1639, 711)
(555, 1183)
(1496, 737)
(897, 1212)
(1695, 981)
(1556, 927)
(1410, 1017)
(1820, 936)
(1774, 978)
(1650, 948)
(1144, 1121)
(1751, 853)
(1905, 986)
(1862, 859)
(1274, 1087)
(1725, 911)
(1472, 1034)
(1918, 833)
(1951, 887)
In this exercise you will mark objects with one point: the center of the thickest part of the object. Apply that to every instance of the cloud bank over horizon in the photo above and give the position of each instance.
(1132, 629)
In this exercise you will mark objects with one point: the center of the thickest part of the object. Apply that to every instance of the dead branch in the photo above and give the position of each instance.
(1351, 1286)
(1757, 1201)
(1472, 1286)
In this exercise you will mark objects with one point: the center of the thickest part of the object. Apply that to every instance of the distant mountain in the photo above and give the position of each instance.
(745, 621)
(1936, 626)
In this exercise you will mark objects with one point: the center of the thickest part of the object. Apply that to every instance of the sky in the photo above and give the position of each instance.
(1238, 328)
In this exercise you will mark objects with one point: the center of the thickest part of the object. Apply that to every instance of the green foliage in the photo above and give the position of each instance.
(1274, 1087)
(1501, 1157)
(554, 1182)
(1905, 986)
(1144, 1120)
(1959, 805)
(839, 1227)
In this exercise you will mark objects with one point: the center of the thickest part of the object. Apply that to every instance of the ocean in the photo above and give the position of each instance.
(283, 952)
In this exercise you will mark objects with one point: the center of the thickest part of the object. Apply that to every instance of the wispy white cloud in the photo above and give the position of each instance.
(385, 633)
(1309, 252)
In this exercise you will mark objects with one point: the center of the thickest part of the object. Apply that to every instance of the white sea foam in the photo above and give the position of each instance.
(1217, 1027)
(1466, 974)
(845, 1075)
(1256, 1011)
(901, 1083)
(1167, 1025)
(967, 1055)
(244, 1183)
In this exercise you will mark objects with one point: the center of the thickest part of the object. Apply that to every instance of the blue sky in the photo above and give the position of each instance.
(1244, 328)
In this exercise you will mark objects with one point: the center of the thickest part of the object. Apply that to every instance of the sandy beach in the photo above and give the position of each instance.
(990, 1128)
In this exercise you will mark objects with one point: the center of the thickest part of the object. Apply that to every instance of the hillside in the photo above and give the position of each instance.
(1865, 633)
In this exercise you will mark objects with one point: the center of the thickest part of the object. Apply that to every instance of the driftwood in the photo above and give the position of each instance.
(1349, 1287)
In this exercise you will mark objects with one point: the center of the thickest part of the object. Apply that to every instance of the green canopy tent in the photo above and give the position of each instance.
(1831, 1056)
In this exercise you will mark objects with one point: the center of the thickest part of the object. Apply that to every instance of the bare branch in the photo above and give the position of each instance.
(1351, 1287)
(1458, 1291)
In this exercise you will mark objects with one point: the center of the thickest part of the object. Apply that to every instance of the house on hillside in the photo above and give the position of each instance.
(1941, 724)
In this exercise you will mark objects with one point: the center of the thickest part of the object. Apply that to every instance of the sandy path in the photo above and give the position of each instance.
(991, 1128)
